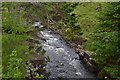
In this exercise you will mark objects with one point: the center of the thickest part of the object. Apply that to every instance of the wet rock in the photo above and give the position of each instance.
(61, 70)
(40, 71)
(57, 66)
(88, 64)
(80, 47)
(77, 58)
(28, 76)
(57, 47)
(85, 60)
(28, 71)
(44, 67)
(62, 64)
(72, 44)
(79, 50)
(81, 57)
(57, 61)
(85, 54)
(39, 57)
(61, 75)
(78, 73)
(37, 63)
(29, 64)
(93, 62)
(35, 75)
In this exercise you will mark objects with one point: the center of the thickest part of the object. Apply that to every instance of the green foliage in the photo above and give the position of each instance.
(32, 52)
(105, 41)
(47, 58)
(99, 26)
(38, 49)
(36, 26)
(70, 22)
(40, 77)
(14, 38)
(110, 16)
(13, 70)
(43, 52)
(37, 41)
(13, 19)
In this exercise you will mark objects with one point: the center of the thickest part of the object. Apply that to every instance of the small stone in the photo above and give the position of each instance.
(72, 44)
(39, 66)
(88, 64)
(35, 69)
(78, 73)
(79, 50)
(32, 69)
(28, 71)
(30, 64)
(85, 60)
(27, 75)
(44, 67)
(80, 47)
(90, 58)
(36, 74)
(86, 55)
(93, 62)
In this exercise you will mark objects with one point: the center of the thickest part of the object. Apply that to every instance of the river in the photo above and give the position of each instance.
(64, 62)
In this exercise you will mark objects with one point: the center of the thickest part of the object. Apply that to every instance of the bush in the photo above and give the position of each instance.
(14, 38)
(105, 42)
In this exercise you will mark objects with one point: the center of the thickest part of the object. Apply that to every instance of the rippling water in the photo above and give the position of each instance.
(64, 62)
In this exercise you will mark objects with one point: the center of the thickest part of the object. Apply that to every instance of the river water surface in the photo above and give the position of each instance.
(64, 62)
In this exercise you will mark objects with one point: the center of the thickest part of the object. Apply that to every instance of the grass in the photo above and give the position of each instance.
(87, 17)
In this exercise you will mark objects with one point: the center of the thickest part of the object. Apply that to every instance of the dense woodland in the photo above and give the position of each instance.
(95, 26)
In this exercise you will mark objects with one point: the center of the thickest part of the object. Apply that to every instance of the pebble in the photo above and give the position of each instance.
(28, 71)
(44, 67)
(78, 73)
(30, 64)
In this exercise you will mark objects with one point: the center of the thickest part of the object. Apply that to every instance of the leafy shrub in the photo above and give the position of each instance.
(14, 38)
(13, 70)
(38, 49)
(105, 41)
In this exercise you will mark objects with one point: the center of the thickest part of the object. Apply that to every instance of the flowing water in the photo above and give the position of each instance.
(64, 62)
